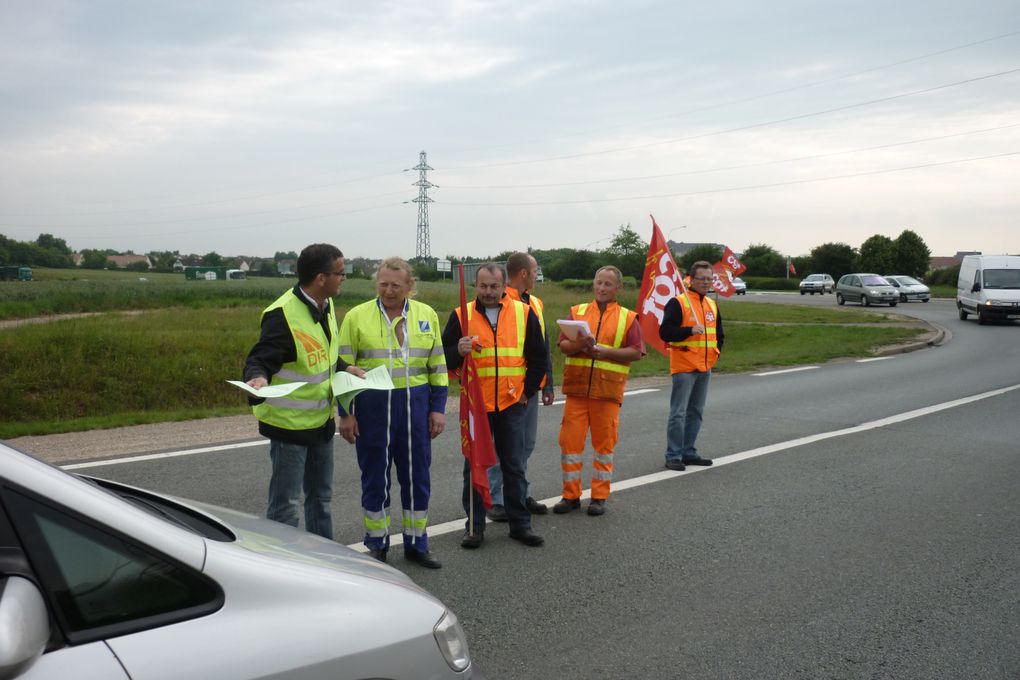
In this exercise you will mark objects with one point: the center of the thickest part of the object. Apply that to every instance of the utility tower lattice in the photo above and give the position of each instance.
(423, 250)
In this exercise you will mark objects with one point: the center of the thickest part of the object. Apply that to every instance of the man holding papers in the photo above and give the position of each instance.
(395, 428)
(299, 344)
(600, 339)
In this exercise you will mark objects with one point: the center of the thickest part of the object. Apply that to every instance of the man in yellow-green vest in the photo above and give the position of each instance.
(299, 343)
(692, 328)
(395, 429)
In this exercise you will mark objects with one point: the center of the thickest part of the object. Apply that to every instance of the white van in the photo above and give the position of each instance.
(989, 287)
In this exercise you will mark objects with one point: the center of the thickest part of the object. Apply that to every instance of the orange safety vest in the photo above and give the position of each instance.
(599, 378)
(697, 352)
(499, 356)
(538, 306)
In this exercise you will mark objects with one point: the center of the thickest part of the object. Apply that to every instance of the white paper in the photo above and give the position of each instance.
(269, 390)
(347, 386)
(574, 329)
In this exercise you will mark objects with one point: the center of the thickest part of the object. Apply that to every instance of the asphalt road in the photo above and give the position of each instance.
(859, 523)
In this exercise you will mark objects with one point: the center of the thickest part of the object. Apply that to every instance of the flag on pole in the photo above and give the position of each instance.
(475, 436)
(721, 280)
(790, 268)
(730, 261)
(660, 283)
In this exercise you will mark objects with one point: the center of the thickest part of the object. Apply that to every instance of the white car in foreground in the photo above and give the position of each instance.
(909, 288)
(103, 581)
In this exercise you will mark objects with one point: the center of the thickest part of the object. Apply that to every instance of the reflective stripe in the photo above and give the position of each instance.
(296, 404)
(376, 523)
(604, 459)
(294, 376)
(602, 475)
(572, 458)
(346, 349)
(506, 370)
(571, 476)
(416, 521)
(420, 352)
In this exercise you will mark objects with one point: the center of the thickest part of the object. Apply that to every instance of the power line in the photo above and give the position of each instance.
(745, 187)
(733, 167)
(741, 128)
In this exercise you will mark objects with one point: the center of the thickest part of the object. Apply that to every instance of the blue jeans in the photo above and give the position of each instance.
(297, 467)
(530, 435)
(686, 404)
(508, 437)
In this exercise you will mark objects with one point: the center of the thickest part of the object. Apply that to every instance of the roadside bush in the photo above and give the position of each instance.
(771, 283)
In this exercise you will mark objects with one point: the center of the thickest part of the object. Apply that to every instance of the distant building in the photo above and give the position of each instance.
(286, 267)
(178, 265)
(946, 262)
(122, 261)
(76, 258)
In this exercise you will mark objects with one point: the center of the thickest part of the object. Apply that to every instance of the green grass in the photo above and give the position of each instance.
(171, 362)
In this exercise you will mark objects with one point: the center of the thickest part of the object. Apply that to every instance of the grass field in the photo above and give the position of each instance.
(170, 362)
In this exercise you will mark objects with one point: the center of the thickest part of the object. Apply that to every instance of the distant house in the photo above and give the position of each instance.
(946, 262)
(244, 266)
(76, 258)
(286, 267)
(178, 265)
(122, 261)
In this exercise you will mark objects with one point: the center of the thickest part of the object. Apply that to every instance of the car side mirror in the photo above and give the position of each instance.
(975, 288)
(24, 626)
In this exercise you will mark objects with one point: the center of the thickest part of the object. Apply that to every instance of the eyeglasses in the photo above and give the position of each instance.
(702, 278)
(341, 275)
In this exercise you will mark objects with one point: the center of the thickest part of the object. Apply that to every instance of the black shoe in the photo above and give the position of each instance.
(566, 505)
(698, 461)
(527, 537)
(378, 554)
(472, 541)
(536, 508)
(674, 464)
(497, 513)
(425, 559)
(597, 507)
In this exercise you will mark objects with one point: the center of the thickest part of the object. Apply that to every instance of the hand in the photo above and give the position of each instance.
(596, 351)
(258, 383)
(437, 423)
(698, 329)
(349, 428)
(356, 370)
(548, 396)
(465, 344)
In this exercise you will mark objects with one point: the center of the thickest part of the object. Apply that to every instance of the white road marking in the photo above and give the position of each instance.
(458, 525)
(626, 394)
(786, 370)
(221, 447)
(865, 361)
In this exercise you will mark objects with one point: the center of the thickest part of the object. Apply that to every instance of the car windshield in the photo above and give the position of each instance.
(1002, 278)
(909, 281)
(815, 277)
(874, 281)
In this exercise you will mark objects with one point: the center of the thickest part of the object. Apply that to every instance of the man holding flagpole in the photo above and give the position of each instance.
(692, 329)
(504, 340)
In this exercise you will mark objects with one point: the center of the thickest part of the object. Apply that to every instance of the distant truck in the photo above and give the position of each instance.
(989, 287)
(236, 275)
(15, 273)
(205, 273)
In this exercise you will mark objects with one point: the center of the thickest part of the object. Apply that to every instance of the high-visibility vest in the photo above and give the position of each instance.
(599, 378)
(697, 352)
(368, 340)
(500, 359)
(538, 307)
(310, 405)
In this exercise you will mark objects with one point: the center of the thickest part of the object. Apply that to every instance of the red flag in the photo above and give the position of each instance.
(475, 436)
(721, 280)
(731, 262)
(661, 282)
(789, 264)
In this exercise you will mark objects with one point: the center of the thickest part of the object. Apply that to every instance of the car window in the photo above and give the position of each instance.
(874, 281)
(855, 281)
(910, 281)
(1002, 278)
(101, 584)
(892, 281)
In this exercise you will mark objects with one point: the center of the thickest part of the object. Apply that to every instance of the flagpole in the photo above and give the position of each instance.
(470, 463)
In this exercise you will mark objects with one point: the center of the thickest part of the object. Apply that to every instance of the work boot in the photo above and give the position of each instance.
(536, 508)
(566, 505)
(597, 507)
(497, 513)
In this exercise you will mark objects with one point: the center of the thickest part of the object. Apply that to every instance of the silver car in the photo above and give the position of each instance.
(102, 580)
(909, 288)
(868, 289)
(816, 283)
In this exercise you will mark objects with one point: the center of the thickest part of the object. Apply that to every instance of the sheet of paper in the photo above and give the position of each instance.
(269, 390)
(574, 329)
(347, 386)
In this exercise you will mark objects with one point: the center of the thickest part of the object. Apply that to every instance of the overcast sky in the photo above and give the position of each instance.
(250, 127)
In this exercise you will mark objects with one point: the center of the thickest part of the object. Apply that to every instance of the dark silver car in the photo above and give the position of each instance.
(909, 288)
(816, 283)
(102, 580)
(868, 289)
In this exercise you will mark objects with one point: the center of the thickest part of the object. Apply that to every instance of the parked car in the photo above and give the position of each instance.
(739, 286)
(103, 580)
(867, 289)
(989, 287)
(817, 283)
(909, 288)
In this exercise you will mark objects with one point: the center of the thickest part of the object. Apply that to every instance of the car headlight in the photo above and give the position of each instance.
(991, 302)
(452, 642)
(875, 292)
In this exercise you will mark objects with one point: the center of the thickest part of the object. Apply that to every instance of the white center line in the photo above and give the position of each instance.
(865, 361)
(787, 370)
